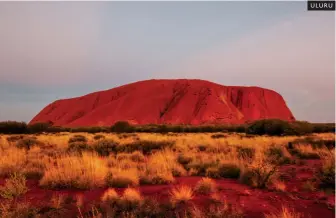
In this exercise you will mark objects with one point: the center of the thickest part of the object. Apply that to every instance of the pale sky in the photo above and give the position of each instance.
(53, 50)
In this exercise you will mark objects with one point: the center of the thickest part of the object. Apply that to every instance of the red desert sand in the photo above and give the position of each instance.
(178, 101)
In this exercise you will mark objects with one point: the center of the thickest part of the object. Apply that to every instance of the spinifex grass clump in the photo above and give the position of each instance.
(205, 186)
(76, 171)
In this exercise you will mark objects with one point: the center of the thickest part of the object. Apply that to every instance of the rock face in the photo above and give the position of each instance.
(167, 101)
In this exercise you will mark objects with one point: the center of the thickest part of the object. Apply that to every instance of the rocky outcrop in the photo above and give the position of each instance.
(168, 101)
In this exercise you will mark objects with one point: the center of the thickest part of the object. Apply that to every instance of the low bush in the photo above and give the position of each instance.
(14, 187)
(77, 138)
(205, 186)
(78, 146)
(15, 138)
(122, 126)
(13, 127)
(273, 127)
(38, 127)
(326, 173)
(105, 146)
(28, 142)
(122, 178)
(98, 137)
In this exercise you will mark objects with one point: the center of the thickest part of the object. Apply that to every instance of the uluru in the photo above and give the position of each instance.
(168, 101)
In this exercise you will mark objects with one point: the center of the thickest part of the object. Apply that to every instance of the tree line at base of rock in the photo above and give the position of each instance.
(272, 127)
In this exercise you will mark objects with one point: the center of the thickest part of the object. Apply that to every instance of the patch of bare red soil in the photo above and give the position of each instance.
(167, 101)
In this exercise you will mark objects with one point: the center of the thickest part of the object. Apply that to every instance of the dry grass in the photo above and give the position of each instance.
(110, 195)
(72, 171)
(199, 154)
(205, 186)
(181, 194)
(131, 196)
(284, 213)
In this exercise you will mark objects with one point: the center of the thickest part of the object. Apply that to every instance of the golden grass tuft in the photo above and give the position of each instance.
(110, 195)
(181, 194)
(131, 195)
(12, 160)
(205, 186)
(74, 171)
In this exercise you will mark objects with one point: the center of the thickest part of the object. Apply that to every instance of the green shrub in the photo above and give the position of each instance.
(273, 127)
(14, 187)
(77, 138)
(122, 126)
(13, 127)
(38, 127)
(105, 146)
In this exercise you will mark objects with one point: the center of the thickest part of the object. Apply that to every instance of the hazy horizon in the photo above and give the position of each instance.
(56, 50)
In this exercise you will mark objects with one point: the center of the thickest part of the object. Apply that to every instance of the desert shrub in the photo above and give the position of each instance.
(77, 138)
(305, 151)
(258, 174)
(28, 142)
(15, 186)
(78, 146)
(199, 166)
(38, 127)
(150, 177)
(13, 127)
(98, 137)
(323, 127)
(205, 186)
(137, 156)
(229, 170)
(301, 128)
(326, 173)
(105, 146)
(181, 195)
(272, 127)
(245, 152)
(184, 159)
(276, 155)
(122, 178)
(14, 138)
(145, 146)
(122, 126)
(15, 209)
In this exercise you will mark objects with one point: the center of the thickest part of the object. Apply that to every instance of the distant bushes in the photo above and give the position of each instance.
(13, 127)
(273, 127)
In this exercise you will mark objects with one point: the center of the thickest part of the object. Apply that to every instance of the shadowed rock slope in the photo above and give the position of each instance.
(178, 101)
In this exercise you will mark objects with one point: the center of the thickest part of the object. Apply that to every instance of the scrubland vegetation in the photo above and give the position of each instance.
(121, 163)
